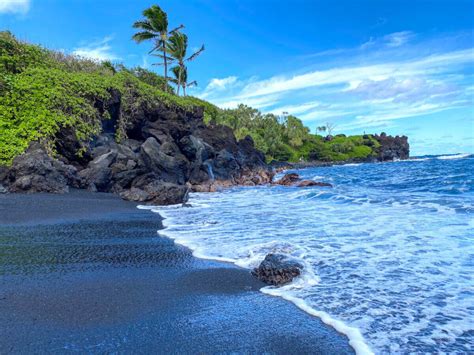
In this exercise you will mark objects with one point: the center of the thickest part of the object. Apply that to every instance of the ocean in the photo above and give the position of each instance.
(388, 251)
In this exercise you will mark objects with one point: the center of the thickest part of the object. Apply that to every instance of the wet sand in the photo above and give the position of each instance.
(86, 272)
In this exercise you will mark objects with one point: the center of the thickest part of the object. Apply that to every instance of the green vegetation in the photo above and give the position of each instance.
(285, 138)
(43, 91)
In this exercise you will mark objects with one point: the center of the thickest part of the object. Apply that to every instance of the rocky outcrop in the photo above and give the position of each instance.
(293, 179)
(278, 269)
(36, 171)
(168, 152)
(392, 148)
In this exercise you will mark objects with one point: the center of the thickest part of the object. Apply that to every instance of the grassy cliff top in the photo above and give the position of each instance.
(43, 90)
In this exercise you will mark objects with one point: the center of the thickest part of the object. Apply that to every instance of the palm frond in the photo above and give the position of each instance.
(177, 45)
(175, 70)
(192, 57)
(143, 36)
(157, 18)
(180, 27)
(158, 47)
(143, 24)
(192, 83)
(168, 58)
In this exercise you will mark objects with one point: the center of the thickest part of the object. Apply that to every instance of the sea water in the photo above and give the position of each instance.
(388, 251)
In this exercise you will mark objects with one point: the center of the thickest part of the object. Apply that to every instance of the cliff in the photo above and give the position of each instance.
(392, 148)
(167, 153)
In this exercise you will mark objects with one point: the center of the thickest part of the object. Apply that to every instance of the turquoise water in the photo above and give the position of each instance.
(389, 250)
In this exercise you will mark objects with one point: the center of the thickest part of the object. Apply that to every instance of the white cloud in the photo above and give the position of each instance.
(391, 83)
(97, 50)
(398, 39)
(434, 64)
(404, 89)
(256, 102)
(14, 6)
(221, 84)
(298, 109)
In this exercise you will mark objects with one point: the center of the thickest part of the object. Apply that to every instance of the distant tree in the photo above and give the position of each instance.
(330, 127)
(177, 48)
(110, 66)
(296, 132)
(154, 26)
(321, 128)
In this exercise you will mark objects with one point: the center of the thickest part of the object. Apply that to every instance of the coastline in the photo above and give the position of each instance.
(103, 281)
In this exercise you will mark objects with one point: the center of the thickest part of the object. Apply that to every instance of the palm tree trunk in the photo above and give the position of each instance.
(184, 89)
(166, 67)
(179, 77)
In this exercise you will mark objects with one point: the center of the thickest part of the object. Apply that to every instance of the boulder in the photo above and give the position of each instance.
(278, 269)
(103, 161)
(158, 191)
(293, 179)
(36, 171)
(165, 160)
(135, 194)
(96, 179)
(289, 179)
(224, 166)
(195, 148)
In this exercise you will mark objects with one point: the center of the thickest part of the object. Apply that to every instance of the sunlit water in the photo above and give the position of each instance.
(389, 251)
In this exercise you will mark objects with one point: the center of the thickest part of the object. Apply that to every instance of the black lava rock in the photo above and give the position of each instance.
(278, 269)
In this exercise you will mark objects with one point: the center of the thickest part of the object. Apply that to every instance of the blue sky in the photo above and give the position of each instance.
(403, 67)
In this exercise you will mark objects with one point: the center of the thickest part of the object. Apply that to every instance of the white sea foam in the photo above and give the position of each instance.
(456, 156)
(387, 252)
(351, 164)
(418, 159)
(254, 257)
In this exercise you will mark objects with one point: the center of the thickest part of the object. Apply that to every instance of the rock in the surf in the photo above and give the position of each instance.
(278, 269)
(293, 179)
(288, 180)
(306, 183)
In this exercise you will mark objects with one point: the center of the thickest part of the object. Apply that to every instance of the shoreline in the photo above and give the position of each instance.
(111, 290)
(356, 339)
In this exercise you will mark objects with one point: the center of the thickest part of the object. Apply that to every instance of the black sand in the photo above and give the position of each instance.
(88, 273)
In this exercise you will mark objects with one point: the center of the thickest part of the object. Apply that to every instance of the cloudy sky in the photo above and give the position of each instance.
(403, 67)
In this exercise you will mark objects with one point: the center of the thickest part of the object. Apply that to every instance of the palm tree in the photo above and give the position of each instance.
(177, 48)
(181, 78)
(154, 26)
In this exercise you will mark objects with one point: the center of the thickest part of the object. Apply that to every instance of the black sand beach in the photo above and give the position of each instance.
(85, 272)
